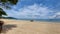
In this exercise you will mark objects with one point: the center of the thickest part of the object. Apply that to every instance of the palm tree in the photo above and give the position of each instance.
(4, 3)
(2, 13)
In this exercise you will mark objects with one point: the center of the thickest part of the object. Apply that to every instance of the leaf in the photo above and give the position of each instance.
(4, 1)
(2, 12)
(6, 4)
(13, 1)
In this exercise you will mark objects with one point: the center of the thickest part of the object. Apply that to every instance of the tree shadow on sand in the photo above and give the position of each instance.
(8, 27)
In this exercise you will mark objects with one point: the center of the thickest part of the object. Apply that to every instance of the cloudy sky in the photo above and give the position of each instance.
(35, 9)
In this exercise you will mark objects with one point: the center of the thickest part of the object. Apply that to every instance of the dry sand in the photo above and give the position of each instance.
(27, 27)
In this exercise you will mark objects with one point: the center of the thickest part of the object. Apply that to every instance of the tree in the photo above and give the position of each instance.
(5, 4)
(2, 12)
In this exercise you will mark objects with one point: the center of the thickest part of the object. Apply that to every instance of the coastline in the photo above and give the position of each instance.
(27, 27)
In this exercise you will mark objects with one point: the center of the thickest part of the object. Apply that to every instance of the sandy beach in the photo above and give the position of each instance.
(27, 27)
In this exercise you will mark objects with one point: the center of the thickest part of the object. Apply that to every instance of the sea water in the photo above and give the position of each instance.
(46, 20)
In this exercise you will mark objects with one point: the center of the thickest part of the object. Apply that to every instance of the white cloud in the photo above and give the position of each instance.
(33, 12)
(57, 15)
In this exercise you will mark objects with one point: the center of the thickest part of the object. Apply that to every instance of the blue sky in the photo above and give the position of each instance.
(35, 9)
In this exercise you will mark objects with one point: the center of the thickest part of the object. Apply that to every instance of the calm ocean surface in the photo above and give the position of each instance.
(46, 20)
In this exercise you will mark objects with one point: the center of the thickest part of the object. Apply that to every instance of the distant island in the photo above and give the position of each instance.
(8, 18)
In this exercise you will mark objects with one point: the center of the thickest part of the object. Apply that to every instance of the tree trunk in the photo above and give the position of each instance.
(1, 24)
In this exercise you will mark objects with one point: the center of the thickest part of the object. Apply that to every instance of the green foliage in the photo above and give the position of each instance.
(2, 12)
(10, 1)
(13, 1)
(6, 4)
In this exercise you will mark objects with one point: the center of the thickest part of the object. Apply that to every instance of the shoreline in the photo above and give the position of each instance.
(47, 21)
(27, 27)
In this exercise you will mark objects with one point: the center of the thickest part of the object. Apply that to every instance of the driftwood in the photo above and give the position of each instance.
(1, 26)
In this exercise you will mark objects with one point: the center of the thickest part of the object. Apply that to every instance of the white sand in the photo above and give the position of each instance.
(27, 27)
